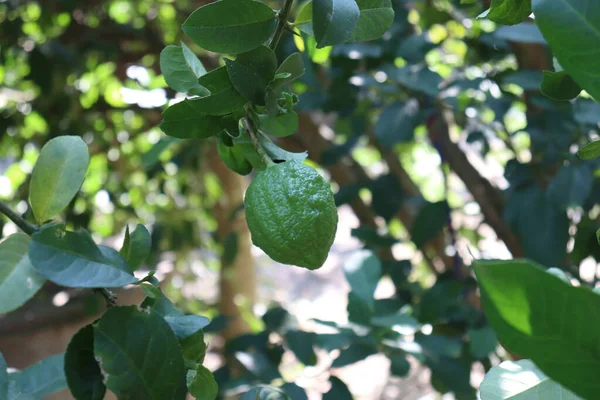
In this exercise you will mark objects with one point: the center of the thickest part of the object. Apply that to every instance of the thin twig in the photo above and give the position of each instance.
(110, 297)
(257, 146)
(282, 21)
(17, 219)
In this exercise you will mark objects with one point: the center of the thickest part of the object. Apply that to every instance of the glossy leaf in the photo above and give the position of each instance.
(590, 151)
(81, 368)
(509, 12)
(521, 380)
(182, 121)
(57, 176)
(251, 73)
(201, 384)
(223, 99)
(376, 17)
(301, 344)
(354, 353)
(560, 86)
(181, 69)
(280, 126)
(571, 28)
(139, 354)
(429, 222)
(19, 280)
(39, 380)
(539, 316)
(399, 365)
(136, 247)
(334, 21)
(231, 26)
(234, 158)
(72, 259)
(338, 390)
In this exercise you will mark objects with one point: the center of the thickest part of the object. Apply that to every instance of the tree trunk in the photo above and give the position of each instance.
(238, 277)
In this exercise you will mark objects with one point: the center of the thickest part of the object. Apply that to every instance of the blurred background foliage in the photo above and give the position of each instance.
(436, 139)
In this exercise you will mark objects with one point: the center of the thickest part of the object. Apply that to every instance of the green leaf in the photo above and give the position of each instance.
(429, 222)
(590, 151)
(19, 280)
(521, 380)
(294, 66)
(39, 380)
(397, 123)
(81, 368)
(572, 29)
(138, 353)
(401, 322)
(3, 378)
(151, 290)
(304, 19)
(278, 154)
(186, 325)
(231, 26)
(483, 342)
(234, 158)
(376, 17)
(152, 156)
(181, 69)
(182, 121)
(72, 259)
(251, 72)
(301, 344)
(223, 99)
(363, 271)
(280, 126)
(399, 365)
(539, 316)
(201, 384)
(57, 176)
(265, 393)
(334, 21)
(509, 12)
(338, 391)
(354, 353)
(559, 86)
(136, 247)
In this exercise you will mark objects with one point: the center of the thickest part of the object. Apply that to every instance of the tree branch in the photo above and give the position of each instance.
(17, 219)
(282, 21)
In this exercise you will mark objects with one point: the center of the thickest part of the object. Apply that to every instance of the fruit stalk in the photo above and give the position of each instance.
(257, 146)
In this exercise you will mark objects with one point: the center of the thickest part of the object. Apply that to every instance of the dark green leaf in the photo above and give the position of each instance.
(560, 86)
(438, 345)
(419, 79)
(181, 69)
(590, 151)
(193, 348)
(338, 391)
(72, 259)
(81, 368)
(138, 353)
(201, 384)
(334, 341)
(182, 121)
(186, 325)
(136, 247)
(251, 73)
(354, 353)
(234, 158)
(449, 374)
(539, 316)
(399, 366)
(571, 27)
(294, 391)
(151, 290)
(509, 12)
(259, 365)
(376, 17)
(363, 272)
(57, 176)
(280, 126)
(397, 123)
(231, 26)
(39, 380)
(223, 99)
(334, 21)
(414, 48)
(152, 156)
(301, 344)
(571, 186)
(359, 311)
(521, 33)
(19, 280)
(483, 342)
(304, 19)
(402, 323)
(230, 248)
(430, 221)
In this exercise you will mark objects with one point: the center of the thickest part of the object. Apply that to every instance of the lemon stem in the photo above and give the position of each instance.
(17, 219)
(255, 142)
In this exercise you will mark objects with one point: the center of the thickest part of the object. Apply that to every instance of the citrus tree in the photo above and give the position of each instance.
(425, 117)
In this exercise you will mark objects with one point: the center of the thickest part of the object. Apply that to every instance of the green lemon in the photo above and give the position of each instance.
(291, 214)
